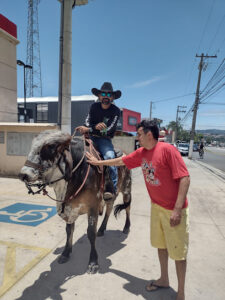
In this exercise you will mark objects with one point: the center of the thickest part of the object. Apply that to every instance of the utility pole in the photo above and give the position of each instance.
(64, 112)
(150, 110)
(177, 120)
(201, 64)
(65, 63)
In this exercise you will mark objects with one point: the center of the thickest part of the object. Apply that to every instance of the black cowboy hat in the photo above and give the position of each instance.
(107, 87)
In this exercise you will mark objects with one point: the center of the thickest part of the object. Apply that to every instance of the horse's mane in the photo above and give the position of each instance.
(77, 148)
(49, 137)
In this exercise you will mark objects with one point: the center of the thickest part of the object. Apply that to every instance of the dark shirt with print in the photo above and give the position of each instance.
(108, 116)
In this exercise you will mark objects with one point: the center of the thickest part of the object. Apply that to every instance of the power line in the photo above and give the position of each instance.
(188, 114)
(207, 21)
(172, 98)
(190, 74)
(215, 75)
(213, 103)
(214, 92)
(218, 50)
(218, 29)
(212, 85)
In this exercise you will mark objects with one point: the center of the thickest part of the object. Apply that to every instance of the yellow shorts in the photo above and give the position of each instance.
(174, 239)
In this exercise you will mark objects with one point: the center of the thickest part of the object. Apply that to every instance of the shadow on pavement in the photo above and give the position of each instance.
(48, 285)
(137, 285)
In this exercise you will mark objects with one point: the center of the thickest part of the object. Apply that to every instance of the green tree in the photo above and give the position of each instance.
(184, 135)
(171, 125)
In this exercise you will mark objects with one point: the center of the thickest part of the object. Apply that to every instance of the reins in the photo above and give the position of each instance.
(41, 186)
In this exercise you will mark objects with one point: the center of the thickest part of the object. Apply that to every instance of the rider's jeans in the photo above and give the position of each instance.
(105, 147)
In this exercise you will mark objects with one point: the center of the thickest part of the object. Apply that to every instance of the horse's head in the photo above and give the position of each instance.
(49, 158)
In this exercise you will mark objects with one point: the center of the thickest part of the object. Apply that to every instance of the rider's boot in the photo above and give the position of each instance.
(109, 191)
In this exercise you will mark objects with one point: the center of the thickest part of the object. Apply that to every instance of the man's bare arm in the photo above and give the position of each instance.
(182, 193)
(109, 162)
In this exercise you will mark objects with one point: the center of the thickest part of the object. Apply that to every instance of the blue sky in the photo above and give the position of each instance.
(145, 48)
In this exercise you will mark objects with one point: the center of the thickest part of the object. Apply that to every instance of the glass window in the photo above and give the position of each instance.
(42, 113)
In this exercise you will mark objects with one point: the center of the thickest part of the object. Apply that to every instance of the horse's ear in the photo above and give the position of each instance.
(69, 164)
(48, 152)
(65, 144)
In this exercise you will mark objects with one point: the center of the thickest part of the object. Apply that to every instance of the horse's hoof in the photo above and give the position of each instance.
(126, 230)
(100, 233)
(63, 259)
(93, 268)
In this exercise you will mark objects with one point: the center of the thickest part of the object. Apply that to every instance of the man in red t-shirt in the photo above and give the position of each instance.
(167, 181)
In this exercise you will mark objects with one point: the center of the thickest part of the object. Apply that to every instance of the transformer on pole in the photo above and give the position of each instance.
(33, 76)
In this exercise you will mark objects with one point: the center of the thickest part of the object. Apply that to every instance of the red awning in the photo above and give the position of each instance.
(8, 26)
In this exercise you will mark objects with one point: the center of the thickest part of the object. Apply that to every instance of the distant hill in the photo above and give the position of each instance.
(212, 131)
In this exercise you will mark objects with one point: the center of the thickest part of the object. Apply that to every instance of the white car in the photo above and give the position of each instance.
(183, 148)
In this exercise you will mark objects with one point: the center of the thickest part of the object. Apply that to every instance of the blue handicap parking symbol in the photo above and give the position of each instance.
(26, 214)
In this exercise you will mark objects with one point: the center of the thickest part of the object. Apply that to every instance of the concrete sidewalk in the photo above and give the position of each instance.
(28, 255)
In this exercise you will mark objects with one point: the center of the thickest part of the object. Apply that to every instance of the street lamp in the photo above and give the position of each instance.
(21, 63)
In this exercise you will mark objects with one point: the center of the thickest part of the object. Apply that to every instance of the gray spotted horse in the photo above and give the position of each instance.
(58, 160)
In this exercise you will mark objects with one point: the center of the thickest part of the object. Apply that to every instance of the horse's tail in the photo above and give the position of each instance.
(119, 207)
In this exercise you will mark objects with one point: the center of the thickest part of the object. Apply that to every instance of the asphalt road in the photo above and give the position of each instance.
(215, 157)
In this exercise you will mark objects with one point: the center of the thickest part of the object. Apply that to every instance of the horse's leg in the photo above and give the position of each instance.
(64, 257)
(91, 232)
(127, 198)
(109, 207)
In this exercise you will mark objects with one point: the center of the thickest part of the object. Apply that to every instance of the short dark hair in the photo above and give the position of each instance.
(149, 126)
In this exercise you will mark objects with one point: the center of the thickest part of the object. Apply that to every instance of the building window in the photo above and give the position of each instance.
(42, 113)
(132, 121)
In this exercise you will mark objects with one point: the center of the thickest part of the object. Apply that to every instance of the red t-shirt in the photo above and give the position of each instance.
(162, 168)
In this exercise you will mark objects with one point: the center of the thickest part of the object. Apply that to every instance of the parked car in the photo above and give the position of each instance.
(183, 148)
(173, 144)
(195, 147)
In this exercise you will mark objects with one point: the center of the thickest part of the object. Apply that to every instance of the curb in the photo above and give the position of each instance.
(213, 170)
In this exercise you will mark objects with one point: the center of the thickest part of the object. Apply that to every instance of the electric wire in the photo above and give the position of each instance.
(216, 74)
(207, 21)
(217, 31)
(213, 84)
(201, 39)
(172, 98)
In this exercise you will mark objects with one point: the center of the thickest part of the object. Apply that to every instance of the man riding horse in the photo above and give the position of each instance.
(59, 160)
(101, 125)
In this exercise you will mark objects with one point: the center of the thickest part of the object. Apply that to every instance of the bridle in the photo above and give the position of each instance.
(42, 186)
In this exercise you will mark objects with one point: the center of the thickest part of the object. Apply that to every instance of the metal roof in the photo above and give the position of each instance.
(55, 99)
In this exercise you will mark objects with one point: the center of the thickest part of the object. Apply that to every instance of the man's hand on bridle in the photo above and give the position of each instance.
(100, 126)
(82, 129)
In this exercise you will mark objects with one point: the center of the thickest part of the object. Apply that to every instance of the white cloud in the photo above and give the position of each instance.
(145, 83)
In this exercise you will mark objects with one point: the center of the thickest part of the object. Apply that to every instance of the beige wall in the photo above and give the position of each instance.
(10, 165)
(8, 77)
(124, 143)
